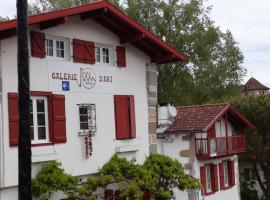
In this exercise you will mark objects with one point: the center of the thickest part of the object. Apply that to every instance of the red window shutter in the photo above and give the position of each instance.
(231, 173)
(214, 176)
(78, 50)
(146, 196)
(13, 118)
(132, 117)
(89, 52)
(121, 106)
(221, 176)
(109, 195)
(59, 119)
(38, 44)
(121, 56)
(203, 178)
(84, 51)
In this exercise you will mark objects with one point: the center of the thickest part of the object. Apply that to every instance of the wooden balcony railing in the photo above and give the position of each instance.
(220, 146)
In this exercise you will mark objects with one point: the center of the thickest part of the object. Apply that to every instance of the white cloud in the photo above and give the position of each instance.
(249, 21)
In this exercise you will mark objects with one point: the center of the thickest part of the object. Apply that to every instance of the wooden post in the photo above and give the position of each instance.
(24, 148)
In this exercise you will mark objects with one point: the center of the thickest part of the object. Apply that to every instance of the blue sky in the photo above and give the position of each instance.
(248, 20)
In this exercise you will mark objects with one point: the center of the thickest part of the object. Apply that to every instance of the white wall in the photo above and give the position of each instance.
(130, 81)
(172, 147)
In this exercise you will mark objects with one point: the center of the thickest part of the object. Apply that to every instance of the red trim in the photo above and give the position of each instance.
(121, 17)
(42, 144)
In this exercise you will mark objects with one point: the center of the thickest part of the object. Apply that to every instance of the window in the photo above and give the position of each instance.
(39, 119)
(104, 54)
(48, 118)
(87, 113)
(57, 47)
(226, 174)
(208, 179)
(125, 126)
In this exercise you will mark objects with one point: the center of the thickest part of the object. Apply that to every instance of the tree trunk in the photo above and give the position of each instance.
(24, 149)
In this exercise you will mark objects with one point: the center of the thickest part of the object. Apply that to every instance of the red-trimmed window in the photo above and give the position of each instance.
(48, 121)
(226, 174)
(209, 178)
(125, 125)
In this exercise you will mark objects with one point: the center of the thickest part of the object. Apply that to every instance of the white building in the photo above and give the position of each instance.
(92, 69)
(206, 140)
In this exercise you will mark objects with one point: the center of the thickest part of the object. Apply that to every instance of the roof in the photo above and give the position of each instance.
(253, 84)
(111, 17)
(200, 118)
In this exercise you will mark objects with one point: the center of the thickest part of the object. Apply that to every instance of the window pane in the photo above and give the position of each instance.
(83, 110)
(83, 118)
(60, 49)
(40, 105)
(84, 126)
(49, 47)
(41, 119)
(97, 54)
(105, 53)
(41, 133)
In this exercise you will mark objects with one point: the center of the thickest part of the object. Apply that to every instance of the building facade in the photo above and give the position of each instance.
(206, 139)
(254, 87)
(93, 82)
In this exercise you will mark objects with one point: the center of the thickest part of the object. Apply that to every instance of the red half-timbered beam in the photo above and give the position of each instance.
(132, 38)
(93, 14)
(52, 23)
(7, 33)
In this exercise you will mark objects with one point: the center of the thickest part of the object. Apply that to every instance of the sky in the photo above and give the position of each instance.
(248, 20)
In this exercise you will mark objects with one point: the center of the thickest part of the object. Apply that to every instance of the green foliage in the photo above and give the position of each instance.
(52, 178)
(247, 193)
(158, 175)
(257, 110)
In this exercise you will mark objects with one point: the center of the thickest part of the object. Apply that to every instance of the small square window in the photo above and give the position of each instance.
(57, 47)
(87, 117)
(104, 54)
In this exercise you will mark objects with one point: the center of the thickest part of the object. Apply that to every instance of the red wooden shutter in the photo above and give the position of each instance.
(214, 177)
(132, 117)
(13, 118)
(121, 56)
(78, 50)
(38, 44)
(59, 119)
(231, 173)
(146, 196)
(203, 178)
(121, 106)
(89, 52)
(108, 194)
(221, 176)
(83, 51)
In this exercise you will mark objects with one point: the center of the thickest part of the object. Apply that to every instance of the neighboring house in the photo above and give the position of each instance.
(247, 174)
(254, 87)
(206, 140)
(93, 89)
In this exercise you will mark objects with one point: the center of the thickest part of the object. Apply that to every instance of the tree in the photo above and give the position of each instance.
(159, 175)
(214, 69)
(257, 109)
(2, 19)
(24, 149)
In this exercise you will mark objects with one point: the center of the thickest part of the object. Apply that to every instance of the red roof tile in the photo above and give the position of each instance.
(253, 84)
(200, 118)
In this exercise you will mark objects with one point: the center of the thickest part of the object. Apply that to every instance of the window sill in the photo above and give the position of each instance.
(44, 157)
(226, 187)
(42, 144)
(127, 148)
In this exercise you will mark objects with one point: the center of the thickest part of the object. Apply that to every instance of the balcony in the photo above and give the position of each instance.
(220, 146)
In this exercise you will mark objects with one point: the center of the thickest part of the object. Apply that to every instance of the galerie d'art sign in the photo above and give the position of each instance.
(73, 77)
